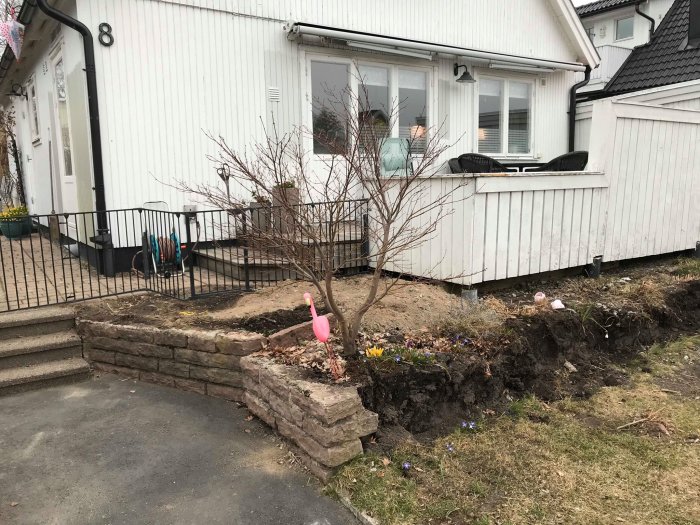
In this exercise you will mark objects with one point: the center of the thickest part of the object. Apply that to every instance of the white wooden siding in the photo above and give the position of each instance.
(651, 156)
(508, 226)
(179, 68)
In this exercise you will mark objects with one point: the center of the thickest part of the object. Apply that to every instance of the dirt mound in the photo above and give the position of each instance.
(552, 354)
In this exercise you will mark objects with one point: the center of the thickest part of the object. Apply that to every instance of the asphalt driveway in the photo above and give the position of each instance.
(113, 451)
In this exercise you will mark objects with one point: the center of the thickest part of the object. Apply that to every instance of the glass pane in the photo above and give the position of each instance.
(624, 28)
(413, 108)
(63, 117)
(374, 104)
(330, 100)
(518, 117)
(490, 104)
(34, 113)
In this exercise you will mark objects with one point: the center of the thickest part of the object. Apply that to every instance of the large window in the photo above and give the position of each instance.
(329, 90)
(33, 110)
(624, 28)
(505, 117)
(392, 103)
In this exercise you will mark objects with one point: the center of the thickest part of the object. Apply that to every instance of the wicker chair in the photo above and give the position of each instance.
(475, 163)
(574, 161)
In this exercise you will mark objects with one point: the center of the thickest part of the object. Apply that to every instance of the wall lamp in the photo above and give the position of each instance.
(18, 91)
(466, 78)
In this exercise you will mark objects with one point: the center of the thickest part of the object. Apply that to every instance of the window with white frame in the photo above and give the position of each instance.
(505, 116)
(624, 28)
(381, 90)
(33, 110)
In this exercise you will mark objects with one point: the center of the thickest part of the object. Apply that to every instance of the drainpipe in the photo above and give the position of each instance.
(103, 237)
(572, 107)
(652, 22)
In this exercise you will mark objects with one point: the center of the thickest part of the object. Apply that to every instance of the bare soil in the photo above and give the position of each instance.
(410, 305)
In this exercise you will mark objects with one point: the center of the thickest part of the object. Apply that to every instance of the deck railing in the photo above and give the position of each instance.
(61, 258)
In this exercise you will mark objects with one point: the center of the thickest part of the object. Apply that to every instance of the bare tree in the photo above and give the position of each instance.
(10, 182)
(370, 187)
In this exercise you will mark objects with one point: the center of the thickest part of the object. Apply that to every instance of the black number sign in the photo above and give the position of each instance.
(105, 37)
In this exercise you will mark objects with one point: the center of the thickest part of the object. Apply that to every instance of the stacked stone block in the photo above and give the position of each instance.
(324, 421)
(203, 362)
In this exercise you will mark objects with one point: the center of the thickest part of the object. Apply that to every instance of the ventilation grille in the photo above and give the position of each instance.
(273, 94)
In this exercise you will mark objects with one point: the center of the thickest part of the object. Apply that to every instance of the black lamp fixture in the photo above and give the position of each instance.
(18, 91)
(466, 78)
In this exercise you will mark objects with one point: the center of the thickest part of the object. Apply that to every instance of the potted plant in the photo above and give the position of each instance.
(260, 212)
(285, 197)
(15, 222)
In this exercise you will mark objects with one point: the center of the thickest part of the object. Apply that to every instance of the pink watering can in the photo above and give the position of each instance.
(322, 329)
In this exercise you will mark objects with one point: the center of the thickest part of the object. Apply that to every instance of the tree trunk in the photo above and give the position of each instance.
(18, 169)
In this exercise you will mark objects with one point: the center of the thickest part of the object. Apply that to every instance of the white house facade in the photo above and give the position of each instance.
(168, 72)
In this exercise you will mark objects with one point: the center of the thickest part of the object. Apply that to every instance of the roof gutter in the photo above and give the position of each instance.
(295, 29)
(652, 22)
(93, 110)
(572, 108)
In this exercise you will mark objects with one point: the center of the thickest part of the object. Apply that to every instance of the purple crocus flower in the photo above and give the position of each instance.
(450, 448)
(397, 358)
(464, 425)
(472, 425)
(406, 466)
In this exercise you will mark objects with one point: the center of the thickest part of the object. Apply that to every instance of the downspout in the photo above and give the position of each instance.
(572, 107)
(103, 237)
(652, 22)
(93, 110)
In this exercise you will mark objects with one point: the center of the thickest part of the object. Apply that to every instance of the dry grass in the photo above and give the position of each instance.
(568, 462)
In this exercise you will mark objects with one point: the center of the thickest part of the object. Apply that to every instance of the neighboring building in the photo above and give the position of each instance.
(671, 59)
(615, 28)
(168, 71)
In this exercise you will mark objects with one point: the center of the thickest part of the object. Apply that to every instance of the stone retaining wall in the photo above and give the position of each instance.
(325, 422)
(203, 362)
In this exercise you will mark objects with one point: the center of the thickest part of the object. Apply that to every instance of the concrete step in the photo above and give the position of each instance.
(27, 351)
(36, 321)
(44, 374)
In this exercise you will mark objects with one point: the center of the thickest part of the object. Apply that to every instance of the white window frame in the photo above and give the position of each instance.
(617, 20)
(33, 112)
(57, 55)
(589, 32)
(505, 103)
(353, 64)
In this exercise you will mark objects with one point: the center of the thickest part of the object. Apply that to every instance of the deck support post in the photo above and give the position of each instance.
(593, 269)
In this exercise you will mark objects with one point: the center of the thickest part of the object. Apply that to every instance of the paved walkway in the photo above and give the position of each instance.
(113, 451)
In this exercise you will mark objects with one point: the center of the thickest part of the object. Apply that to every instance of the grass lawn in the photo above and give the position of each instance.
(629, 454)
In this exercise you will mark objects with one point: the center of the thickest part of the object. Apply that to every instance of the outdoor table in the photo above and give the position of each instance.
(520, 164)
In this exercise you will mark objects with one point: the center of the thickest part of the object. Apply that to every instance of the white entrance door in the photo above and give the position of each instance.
(62, 138)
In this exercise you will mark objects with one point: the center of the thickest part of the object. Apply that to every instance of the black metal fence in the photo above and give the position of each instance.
(61, 258)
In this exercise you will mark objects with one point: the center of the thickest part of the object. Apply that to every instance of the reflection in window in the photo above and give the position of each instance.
(329, 92)
(518, 117)
(33, 111)
(374, 104)
(60, 79)
(413, 108)
(624, 28)
(490, 103)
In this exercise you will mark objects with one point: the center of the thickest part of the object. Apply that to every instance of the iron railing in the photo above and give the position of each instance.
(61, 258)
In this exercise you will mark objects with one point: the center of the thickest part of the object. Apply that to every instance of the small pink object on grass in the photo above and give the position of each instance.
(322, 328)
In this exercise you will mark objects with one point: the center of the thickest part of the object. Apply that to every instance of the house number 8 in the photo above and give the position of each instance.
(105, 37)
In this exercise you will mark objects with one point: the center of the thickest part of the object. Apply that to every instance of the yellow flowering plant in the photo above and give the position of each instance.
(374, 351)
